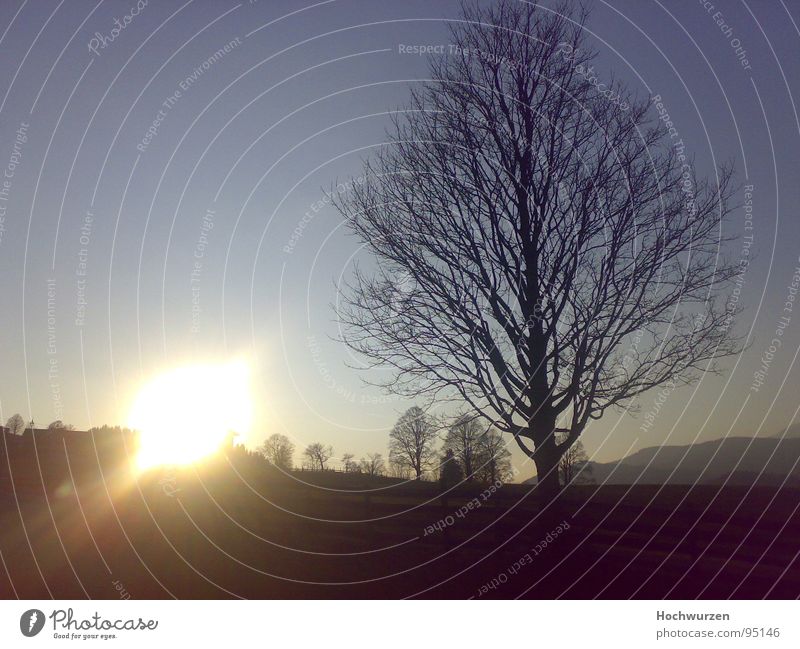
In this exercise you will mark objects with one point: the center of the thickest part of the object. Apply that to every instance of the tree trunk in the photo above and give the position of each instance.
(546, 457)
(548, 485)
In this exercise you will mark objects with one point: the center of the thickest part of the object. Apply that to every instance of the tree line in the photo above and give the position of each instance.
(16, 425)
(470, 450)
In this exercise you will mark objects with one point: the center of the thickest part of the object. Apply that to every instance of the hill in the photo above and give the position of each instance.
(739, 460)
(75, 520)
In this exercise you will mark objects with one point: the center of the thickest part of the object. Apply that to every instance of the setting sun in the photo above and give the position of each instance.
(186, 413)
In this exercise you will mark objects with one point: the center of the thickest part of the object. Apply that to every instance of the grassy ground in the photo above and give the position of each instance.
(235, 529)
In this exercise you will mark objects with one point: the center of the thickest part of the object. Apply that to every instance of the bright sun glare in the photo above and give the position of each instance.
(185, 414)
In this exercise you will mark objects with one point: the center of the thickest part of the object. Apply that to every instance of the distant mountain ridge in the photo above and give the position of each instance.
(740, 460)
(791, 431)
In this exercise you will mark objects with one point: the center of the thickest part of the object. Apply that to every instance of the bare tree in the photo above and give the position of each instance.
(494, 458)
(349, 463)
(543, 227)
(373, 464)
(463, 438)
(16, 424)
(278, 450)
(411, 441)
(317, 455)
(574, 467)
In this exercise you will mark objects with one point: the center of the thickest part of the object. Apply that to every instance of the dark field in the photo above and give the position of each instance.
(237, 528)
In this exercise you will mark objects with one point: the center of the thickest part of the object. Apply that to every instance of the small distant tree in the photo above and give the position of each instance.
(373, 464)
(494, 458)
(16, 424)
(106, 430)
(239, 454)
(574, 467)
(317, 455)
(349, 463)
(278, 450)
(411, 441)
(463, 438)
(450, 473)
(59, 425)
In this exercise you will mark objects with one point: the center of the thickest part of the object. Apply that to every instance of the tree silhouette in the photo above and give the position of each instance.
(494, 458)
(463, 438)
(543, 227)
(317, 455)
(16, 424)
(574, 467)
(106, 430)
(59, 425)
(373, 464)
(349, 463)
(279, 450)
(411, 441)
(450, 473)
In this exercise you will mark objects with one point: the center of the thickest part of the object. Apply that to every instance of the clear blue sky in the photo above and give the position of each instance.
(237, 158)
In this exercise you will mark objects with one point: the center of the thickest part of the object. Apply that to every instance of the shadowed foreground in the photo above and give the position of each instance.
(234, 528)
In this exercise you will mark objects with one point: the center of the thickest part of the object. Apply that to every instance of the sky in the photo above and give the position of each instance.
(163, 199)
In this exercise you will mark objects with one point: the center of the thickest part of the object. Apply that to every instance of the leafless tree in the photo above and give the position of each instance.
(463, 438)
(317, 455)
(411, 441)
(574, 467)
(59, 425)
(349, 463)
(543, 226)
(373, 464)
(494, 459)
(16, 424)
(279, 450)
